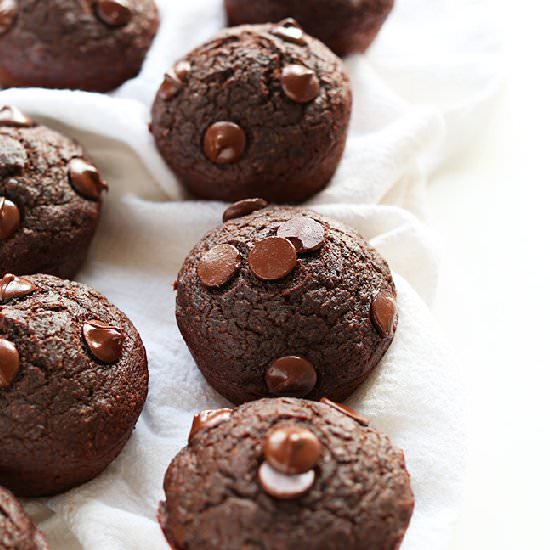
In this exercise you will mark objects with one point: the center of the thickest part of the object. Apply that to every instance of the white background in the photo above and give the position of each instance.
(491, 209)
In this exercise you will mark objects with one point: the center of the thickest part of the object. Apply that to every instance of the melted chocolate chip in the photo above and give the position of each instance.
(224, 142)
(12, 116)
(9, 218)
(282, 486)
(12, 286)
(300, 84)
(85, 179)
(208, 419)
(383, 311)
(105, 341)
(305, 233)
(272, 259)
(9, 362)
(291, 377)
(243, 208)
(291, 449)
(114, 13)
(219, 265)
(347, 411)
(8, 13)
(290, 31)
(173, 80)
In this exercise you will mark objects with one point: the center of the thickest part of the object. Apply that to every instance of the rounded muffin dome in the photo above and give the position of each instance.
(285, 302)
(258, 111)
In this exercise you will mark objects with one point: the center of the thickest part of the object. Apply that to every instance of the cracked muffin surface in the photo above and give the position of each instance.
(285, 302)
(49, 199)
(345, 26)
(17, 531)
(258, 111)
(93, 45)
(218, 496)
(73, 381)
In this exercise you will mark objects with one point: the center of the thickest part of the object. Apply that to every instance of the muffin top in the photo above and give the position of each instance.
(251, 108)
(73, 379)
(286, 473)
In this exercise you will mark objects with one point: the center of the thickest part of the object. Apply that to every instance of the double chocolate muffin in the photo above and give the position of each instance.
(345, 26)
(73, 381)
(258, 111)
(285, 473)
(285, 302)
(93, 45)
(50, 199)
(17, 531)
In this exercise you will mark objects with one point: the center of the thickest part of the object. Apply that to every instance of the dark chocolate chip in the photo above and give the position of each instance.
(12, 286)
(290, 31)
(224, 142)
(282, 486)
(219, 265)
(114, 13)
(272, 259)
(9, 362)
(300, 84)
(10, 218)
(173, 80)
(305, 233)
(383, 311)
(291, 449)
(12, 116)
(8, 13)
(209, 419)
(291, 377)
(85, 179)
(105, 341)
(347, 411)
(243, 208)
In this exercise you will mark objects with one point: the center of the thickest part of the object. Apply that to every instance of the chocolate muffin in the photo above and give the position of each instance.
(285, 302)
(285, 473)
(93, 45)
(258, 111)
(49, 199)
(73, 381)
(345, 26)
(17, 531)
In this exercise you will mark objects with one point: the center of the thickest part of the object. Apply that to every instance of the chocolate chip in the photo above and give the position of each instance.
(300, 84)
(105, 341)
(8, 13)
(305, 233)
(272, 259)
(114, 13)
(292, 450)
(173, 80)
(383, 311)
(283, 486)
(12, 116)
(209, 419)
(9, 362)
(290, 31)
(224, 142)
(291, 377)
(85, 179)
(219, 265)
(9, 218)
(12, 286)
(13, 157)
(346, 410)
(243, 208)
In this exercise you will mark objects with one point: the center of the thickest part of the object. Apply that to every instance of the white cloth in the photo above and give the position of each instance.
(418, 93)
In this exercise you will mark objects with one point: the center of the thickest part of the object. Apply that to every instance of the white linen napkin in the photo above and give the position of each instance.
(417, 94)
